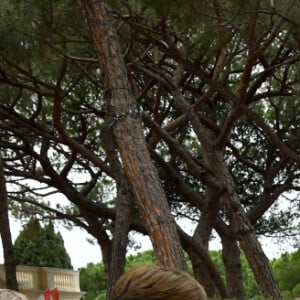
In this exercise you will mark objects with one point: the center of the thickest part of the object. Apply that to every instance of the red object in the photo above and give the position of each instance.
(54, 294)
(51, 294)
(47, 295)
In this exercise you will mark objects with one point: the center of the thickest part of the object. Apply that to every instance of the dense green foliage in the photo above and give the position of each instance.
(93, 280)
(41, 247)
(211, 77)
(287, 270)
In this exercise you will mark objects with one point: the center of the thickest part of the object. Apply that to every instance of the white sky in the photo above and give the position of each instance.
(79, 249)
(82, 252)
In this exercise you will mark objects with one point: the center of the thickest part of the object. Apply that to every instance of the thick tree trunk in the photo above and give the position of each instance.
(8, 250)
(233, 269)
(97, 230)
(202, 234)
(196, 249)
(103, 240)
(242, 228)
(229, 202)
(120, 235)
(122, 220)
(129, 137)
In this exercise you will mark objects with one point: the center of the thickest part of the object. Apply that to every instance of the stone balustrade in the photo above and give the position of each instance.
(34, 280)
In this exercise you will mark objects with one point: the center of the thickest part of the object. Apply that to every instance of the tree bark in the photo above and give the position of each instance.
(242, 228)
(195, 249)
(122, 219)
(239, 223)
(233, 268)
(202, 234)
(129, 137)
(8, 250)
(120, 234)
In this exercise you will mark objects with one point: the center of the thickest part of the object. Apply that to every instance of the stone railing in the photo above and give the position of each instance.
(33, 281)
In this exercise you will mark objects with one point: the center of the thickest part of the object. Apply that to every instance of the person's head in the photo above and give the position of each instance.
(151, 282)
(6, 294)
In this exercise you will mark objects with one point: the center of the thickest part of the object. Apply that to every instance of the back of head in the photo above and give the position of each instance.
(6, 294)
(151, 282)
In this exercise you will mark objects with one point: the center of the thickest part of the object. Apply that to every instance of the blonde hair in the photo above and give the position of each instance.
(152, 282)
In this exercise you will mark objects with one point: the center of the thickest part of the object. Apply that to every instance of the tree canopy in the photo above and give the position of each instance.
(190, 110)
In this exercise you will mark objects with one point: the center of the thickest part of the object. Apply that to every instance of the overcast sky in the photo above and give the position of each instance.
(82, 252)
(79, 249)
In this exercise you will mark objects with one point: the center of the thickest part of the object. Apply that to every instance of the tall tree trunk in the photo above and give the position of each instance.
(120, 234)
(242, 228)
(122, 220)
(233, 268)
(195, 249)
(129, 137)
(240, 225)
(202, 234)
(8, 250)
(98, 231)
